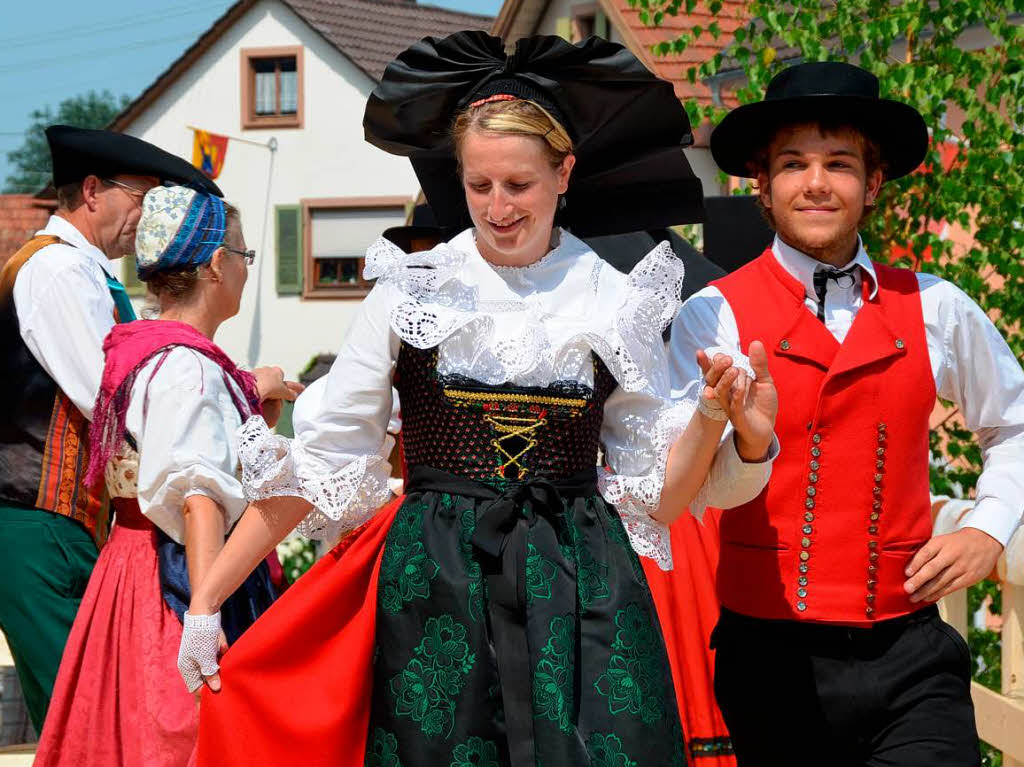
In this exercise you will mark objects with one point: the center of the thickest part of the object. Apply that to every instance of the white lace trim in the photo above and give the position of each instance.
(273, 465)
(437, 309)
(637, 497)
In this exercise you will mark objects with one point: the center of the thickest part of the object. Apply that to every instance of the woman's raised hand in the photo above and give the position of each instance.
(751, 404)
(275, 391)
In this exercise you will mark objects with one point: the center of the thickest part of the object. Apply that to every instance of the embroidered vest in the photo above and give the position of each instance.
(43, 436)
(847, 504)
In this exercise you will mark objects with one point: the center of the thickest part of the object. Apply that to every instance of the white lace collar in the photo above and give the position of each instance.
(532, 326)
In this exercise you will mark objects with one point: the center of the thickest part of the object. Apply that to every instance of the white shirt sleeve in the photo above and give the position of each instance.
(975, 369)
(64, 315)
(705, 321)
(338, 458)
(184, 420)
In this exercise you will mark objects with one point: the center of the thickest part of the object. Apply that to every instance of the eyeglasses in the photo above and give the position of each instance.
(131, 190)
(248, 255)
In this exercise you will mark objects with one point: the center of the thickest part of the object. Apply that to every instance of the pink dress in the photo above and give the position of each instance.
(118, 700)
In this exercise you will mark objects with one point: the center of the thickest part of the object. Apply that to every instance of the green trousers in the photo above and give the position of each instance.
(44, 568)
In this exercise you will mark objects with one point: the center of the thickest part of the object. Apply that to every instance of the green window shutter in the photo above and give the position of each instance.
(284, 424)
(601, 24)
(288, 228)
(563, 28)
(133, 286)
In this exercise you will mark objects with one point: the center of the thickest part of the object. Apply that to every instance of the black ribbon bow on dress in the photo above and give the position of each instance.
(627, 126)
(501, 536)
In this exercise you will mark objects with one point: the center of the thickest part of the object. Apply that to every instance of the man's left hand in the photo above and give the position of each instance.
(948, 563)
(754, 407)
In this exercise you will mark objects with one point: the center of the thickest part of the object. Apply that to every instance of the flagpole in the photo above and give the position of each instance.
(271, 144)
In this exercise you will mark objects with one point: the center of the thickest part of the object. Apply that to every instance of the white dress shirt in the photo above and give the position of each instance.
(65, 310)
(184, 422)
(971, 363)
(530, 326)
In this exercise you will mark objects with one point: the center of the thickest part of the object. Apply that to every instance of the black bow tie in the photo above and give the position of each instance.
(844, 278)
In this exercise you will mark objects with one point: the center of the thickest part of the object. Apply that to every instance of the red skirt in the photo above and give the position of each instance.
(119, 700)
(687, 605)
(296, 687)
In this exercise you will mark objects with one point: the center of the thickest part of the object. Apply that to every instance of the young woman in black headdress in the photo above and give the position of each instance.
(500, 615)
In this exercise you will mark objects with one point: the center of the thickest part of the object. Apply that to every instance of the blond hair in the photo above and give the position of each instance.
(518, 117)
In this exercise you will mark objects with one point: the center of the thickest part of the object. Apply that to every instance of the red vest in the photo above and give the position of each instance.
(847, 504)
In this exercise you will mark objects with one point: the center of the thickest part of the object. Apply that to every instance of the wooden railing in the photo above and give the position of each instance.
(1000, 715)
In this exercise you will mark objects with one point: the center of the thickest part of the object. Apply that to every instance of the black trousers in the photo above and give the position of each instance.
(894, 695)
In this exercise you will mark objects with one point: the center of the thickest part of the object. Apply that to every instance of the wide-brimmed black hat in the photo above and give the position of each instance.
(628, 127)
(81, 152)
(829, 91)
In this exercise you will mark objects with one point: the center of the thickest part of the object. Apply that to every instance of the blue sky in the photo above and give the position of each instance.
(53, 49)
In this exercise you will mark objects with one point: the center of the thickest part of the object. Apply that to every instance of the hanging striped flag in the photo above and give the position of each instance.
(208, 151)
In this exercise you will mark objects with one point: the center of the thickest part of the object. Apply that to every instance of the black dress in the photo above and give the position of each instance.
(514, 622)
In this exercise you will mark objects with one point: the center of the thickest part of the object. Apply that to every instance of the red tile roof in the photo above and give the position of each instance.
(674, 67)
(373, 32)
(21, 216)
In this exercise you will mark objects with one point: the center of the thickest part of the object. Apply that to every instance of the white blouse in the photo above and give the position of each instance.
(184, 421)
(528, 326)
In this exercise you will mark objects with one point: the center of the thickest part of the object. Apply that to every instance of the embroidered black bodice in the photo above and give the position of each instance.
(489, 433)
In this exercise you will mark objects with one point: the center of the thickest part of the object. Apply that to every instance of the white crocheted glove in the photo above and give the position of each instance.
(197, 655)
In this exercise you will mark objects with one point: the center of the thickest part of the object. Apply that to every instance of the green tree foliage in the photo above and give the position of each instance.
(30, 163)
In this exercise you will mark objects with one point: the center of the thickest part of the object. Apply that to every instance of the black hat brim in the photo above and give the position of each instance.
(81, 152)
(897, 128)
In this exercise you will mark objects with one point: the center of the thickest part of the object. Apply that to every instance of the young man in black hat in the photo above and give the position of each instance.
(58, 300)
(830, 649)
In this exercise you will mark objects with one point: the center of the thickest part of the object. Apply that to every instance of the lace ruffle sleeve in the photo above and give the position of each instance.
(639, 432)
(338, 459)
(342, 500)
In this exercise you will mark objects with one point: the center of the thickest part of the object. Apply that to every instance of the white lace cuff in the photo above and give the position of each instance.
(637, 497)
(273, 466)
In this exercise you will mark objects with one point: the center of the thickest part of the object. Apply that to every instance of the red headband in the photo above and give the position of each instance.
(500, 97)
(495, 97)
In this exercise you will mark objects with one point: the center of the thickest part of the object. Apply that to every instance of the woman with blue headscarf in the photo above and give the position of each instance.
(162, 439)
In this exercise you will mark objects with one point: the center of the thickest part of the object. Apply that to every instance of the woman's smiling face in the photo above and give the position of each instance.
(512, 193)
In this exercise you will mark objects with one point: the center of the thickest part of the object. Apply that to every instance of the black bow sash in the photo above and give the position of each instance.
(501, 537)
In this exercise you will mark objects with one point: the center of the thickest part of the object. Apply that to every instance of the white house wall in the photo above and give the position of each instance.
(562, 9)
(327, 157)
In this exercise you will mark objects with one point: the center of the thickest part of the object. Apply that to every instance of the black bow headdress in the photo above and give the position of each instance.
(628, 127)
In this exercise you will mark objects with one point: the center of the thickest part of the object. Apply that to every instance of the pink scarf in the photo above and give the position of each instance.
(128, 347)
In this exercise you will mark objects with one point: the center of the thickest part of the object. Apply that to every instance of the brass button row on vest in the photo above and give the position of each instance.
(876, 512)
(808, 528)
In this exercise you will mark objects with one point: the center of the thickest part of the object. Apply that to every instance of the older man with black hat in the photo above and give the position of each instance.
(58, 300)
(829, 648)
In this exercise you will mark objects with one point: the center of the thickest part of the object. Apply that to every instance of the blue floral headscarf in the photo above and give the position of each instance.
(180, 228)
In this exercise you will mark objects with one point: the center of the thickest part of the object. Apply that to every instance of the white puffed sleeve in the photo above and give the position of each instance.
(183, 420)
(338, 458)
